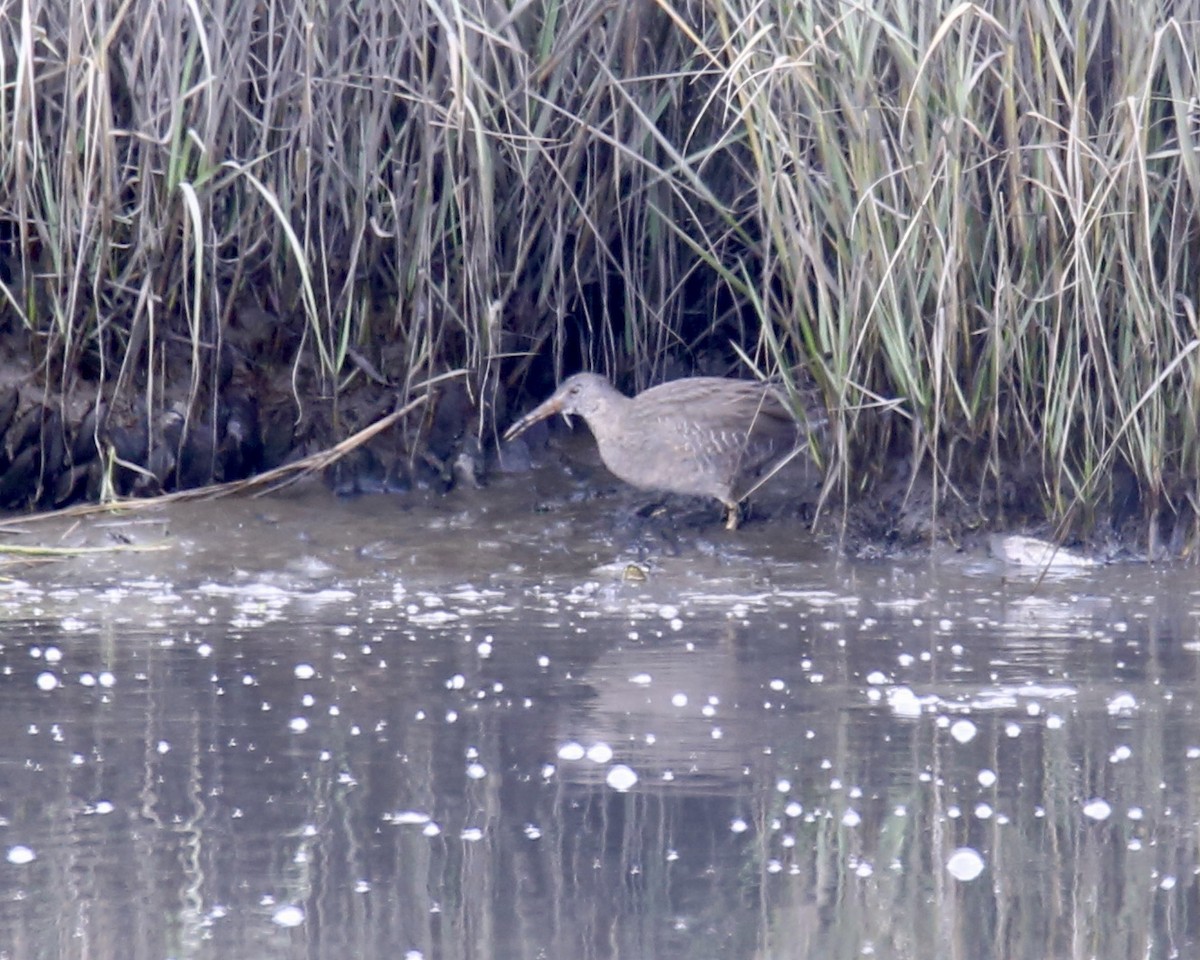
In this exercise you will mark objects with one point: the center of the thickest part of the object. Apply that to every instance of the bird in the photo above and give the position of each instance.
(716, 437)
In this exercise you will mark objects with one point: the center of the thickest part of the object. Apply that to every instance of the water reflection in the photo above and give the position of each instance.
(370, 764)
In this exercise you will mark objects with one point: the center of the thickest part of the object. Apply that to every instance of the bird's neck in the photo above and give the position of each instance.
(606, 416)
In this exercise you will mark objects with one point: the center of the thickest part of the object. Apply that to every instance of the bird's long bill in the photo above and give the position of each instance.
(546, 409)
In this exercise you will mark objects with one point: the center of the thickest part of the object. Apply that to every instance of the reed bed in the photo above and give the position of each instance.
(988, 213)
(974, 223)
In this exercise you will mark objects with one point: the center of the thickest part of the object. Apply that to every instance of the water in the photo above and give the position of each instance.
(309, 728)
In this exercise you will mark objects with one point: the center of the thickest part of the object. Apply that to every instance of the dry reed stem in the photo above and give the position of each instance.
(266, 482)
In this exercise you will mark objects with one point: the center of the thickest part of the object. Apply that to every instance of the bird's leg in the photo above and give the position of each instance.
(733, 515)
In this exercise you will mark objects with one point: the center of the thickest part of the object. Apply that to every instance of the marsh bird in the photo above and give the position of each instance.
(706, 436)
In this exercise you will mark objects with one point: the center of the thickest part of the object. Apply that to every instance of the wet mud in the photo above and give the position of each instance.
(83, 446)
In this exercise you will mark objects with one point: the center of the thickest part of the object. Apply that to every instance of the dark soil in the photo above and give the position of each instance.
(62, 447)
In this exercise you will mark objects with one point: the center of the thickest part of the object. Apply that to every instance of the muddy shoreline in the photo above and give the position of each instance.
(82, 446)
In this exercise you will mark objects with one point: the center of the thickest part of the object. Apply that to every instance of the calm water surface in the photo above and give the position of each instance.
(316, 729)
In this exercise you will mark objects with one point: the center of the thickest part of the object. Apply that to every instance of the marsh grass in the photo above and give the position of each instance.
(987, 213)
(976, 224)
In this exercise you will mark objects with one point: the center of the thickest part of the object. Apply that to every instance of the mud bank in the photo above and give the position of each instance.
(58, 449)
(97, 434)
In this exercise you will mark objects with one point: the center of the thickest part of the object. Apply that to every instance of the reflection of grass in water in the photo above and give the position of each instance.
(222, 815)
(1054, 878)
